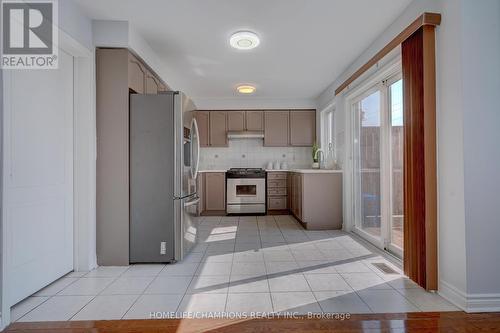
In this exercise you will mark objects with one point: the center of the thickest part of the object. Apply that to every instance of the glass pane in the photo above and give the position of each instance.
(396, 105)
(244, 190)
(330, 129)
(368, 164)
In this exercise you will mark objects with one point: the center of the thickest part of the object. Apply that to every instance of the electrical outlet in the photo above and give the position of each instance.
(163, 248)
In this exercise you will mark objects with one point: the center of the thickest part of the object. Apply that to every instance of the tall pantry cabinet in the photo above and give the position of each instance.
(118, 74)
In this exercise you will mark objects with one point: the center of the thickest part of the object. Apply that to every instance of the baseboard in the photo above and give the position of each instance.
(483, 303)
(452, 294)
(469, 302)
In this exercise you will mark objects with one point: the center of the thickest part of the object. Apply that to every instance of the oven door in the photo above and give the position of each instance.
(246, 191)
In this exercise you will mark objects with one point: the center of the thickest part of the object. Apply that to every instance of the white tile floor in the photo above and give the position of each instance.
(265, 264)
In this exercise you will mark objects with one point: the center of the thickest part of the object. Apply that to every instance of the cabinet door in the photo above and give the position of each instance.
(289, 191)
(276, 128)
(162, 87)
(236, 120)
(215, 191)
(254, 120)
(151, 84)
(218, 129)
(296, 194)
(299, 196)
(136, 75)
(202, 119)
(302, 128)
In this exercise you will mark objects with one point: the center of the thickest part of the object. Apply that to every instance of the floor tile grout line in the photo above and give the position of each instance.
(363, 300)
(77, 312)
(409, 300)
(283, 225)
(312, 292)
(140, 295)
(186, 291)
(99, 293)
(59, 295)
(48, 298)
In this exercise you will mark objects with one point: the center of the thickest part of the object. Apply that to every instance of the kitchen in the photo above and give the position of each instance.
(277, 147)
(226, 172)
(226, 162)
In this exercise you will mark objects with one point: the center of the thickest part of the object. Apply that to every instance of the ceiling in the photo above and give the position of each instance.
(305, 44)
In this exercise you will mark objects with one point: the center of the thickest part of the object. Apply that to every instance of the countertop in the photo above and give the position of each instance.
(306, 170)
(287, 170)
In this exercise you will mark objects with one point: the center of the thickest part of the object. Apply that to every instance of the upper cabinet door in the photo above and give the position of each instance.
(218, 128)
(276, 128)
(302, 128)
(162, 87)
(152, 86)
(136, 75)
(236, 120)
(202, 119)
(255, 121)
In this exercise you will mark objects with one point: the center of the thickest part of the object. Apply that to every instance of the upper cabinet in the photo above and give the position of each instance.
(141, 80)
(136, 74)
(276, 128)
(202, 119)
(245, 121)
(152, 85)
(282, 128)
(163, 87)
(218, 129)
(302, 128)
(254, 120)
(236, 120)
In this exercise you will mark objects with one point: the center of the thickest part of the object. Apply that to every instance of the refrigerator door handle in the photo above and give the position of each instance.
(195, 159)
(192, 202)
(184, 196)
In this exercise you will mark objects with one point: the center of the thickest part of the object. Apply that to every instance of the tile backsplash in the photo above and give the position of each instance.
(250, 153)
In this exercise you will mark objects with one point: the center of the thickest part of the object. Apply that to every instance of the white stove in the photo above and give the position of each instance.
(246, 191)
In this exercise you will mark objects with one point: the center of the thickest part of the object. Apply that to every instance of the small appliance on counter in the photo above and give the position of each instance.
(246, 191)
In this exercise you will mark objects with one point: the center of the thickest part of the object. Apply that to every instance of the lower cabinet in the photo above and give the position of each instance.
(277, 193)
(317, 200)
(296, 195)
(215, 191)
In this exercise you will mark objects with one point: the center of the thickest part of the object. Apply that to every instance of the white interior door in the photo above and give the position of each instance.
(38, 177)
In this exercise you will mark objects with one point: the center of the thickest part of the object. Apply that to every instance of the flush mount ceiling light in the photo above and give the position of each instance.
(244, 40)
(246, 89)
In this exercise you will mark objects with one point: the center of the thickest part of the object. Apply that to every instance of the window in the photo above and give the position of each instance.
(328, 130)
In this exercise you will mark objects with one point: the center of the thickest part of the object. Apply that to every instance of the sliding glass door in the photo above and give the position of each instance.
(396, 143)
(377, 119)
(367, 164)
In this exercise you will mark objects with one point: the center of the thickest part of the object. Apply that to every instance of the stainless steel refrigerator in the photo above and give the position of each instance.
(164, 156)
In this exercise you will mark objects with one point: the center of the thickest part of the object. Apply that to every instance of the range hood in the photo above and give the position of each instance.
(245, 134)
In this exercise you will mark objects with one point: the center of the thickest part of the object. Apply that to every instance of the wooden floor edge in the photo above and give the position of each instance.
(416, 321)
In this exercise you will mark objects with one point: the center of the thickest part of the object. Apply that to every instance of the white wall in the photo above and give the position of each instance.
(1, 188)
(123, 34)
(243, 103)
(481, 111)
(75, 23)
(468, 121)
(450, 187)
